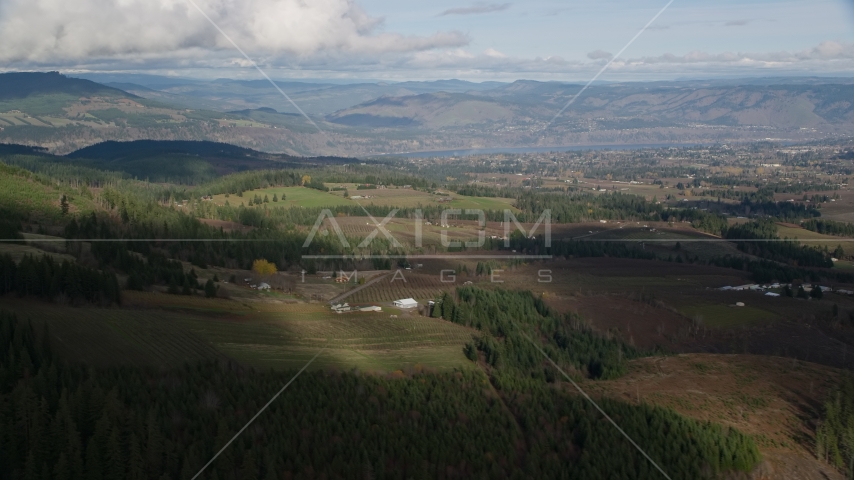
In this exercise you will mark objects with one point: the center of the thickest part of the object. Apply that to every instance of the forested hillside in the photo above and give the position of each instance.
(836, 428)
(62, 421)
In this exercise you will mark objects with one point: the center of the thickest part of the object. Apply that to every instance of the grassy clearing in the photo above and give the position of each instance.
(22, 194)
(19, 251)
(282, 336)
(804, 236)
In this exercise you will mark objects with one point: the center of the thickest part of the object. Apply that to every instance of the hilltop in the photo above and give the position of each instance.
(17, 85)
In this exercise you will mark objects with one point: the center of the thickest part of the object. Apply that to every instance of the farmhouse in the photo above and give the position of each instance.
(341, 308)
(406, 303)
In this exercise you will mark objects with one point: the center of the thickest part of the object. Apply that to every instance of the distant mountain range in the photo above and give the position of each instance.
(619, 106)
(64, 113)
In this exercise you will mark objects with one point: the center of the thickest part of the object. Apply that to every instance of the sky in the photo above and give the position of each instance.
(399, 40)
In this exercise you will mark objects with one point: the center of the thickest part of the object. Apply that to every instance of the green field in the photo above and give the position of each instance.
(804, 236)
(483, 203)
(294, 197)
(277, 336)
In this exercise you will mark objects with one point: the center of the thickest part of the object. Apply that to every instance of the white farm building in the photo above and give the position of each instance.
(405, 303)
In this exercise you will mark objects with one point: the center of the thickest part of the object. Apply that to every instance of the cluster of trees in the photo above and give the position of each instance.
(70, 422)
(829, 227)
(510, 320)
(788, 252)
(783, 251)
(9, 229)
(44, 277)
(475, 190)
(257, 200)
(238, 183)
(144, 222)
(262, 267)
(711, 450)
(572, 208)
(815, 292)
(376, 175)
(834, 436)
(50, 170)
(783, 211)
(764, 271)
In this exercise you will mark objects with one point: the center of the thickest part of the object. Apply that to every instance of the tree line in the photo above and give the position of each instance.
(779, 250)
(509, 320)
(829, 227)
(46, 278)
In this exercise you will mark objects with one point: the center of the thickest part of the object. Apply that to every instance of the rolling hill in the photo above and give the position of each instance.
(65, 114)
(26, 84)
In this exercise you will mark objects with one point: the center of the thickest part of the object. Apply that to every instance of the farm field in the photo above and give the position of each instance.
(277, 336)
(407, 284)
(805, 236)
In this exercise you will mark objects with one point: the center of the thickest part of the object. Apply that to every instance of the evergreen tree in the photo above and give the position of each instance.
(63, 205)
(173, 287)
(210, 289)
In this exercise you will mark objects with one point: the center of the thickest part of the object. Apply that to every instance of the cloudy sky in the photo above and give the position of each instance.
(403, 39)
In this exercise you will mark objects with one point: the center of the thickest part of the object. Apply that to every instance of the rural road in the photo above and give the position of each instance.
(360, 287)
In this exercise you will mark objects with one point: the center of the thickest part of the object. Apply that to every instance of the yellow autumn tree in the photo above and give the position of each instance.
(306, 179)
(263, 267)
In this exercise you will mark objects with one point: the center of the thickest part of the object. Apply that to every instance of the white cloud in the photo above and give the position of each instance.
(63, 31)
(491, 52)
(477, 8)
(825, 51)
(323, 36)
(598, 55)
(736, 23)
